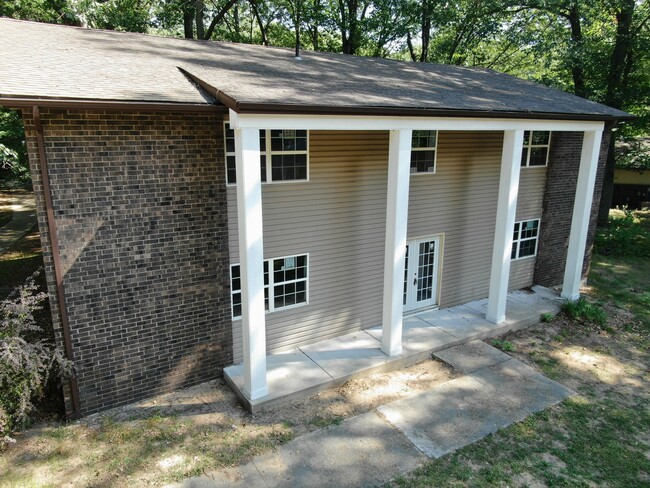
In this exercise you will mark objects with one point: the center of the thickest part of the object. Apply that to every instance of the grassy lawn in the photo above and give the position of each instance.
(600, 437)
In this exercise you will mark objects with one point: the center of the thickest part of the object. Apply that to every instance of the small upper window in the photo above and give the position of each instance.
(536, 148)
(423, 151)
(524, 239)
(288, 150)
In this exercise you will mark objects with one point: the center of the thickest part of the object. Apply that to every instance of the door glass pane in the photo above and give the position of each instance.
(406, 275)
(426, 262)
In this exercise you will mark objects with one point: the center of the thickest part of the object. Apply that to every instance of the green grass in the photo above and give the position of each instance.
(505, 346)
(625, 282)
(584, 311)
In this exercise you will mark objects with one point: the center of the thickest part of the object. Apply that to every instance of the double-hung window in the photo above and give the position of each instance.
(524, 239)
(285, 283)
(423, 151)
(284, 155)
(536, 148)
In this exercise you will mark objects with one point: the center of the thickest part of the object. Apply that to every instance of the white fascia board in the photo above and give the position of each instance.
(364, 122)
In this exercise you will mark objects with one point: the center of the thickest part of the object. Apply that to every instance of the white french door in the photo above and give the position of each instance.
(421, 273)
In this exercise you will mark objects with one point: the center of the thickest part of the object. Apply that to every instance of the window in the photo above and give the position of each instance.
(423, 151)
(536, 148)
(285, 286)
(524, 240)
(286, 149)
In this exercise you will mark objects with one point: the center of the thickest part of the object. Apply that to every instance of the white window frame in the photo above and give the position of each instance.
(272, 283)
(519, 239)
(433, 149)
(530, 146)
(268, 153)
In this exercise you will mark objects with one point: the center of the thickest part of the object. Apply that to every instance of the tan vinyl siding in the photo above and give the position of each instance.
(532, 182)
(338, 217)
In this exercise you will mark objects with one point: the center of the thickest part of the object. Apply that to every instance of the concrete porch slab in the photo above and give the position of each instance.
(347, 354)
(327, 364)
(419, 336)
(288, 373)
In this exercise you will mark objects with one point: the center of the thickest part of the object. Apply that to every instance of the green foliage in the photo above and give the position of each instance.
(124, 15)
(505, 346)
(14, 166)
(633, 154)
(50, 11)
(583, 311)
(27, 360)
(624, 236)
(547, 317)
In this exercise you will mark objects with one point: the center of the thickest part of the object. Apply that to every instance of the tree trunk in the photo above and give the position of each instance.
(614, 96)
(426, 31)
(260, 23)
(199, 11)
(188, 23)
(577, 71)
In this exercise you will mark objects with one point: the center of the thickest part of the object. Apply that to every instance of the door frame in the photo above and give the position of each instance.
(440, 239)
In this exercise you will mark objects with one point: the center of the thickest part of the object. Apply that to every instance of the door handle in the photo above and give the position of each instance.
(415, 280)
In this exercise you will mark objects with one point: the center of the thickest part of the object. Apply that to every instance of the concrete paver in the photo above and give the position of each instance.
(472, 356)
(532, 390)
(452, 415)
(362, 451)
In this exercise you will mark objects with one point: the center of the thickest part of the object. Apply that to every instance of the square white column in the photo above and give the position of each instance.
(505, 223)
(251, 255)
(399, 169)
(581, 214)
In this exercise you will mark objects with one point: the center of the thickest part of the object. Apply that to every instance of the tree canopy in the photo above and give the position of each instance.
(597, 49)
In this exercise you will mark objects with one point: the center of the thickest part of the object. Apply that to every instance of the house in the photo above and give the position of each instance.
(631, 188)
(203, 204)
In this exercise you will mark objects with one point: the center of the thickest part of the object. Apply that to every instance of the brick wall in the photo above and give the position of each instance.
(140, 210)
(562, 178)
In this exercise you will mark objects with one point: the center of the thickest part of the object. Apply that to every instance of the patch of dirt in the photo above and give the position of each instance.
(214, 403)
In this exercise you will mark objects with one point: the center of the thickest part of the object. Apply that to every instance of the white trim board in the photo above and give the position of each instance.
(364, 122)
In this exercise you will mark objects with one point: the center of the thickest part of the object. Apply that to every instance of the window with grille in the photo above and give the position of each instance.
(285, 283)
(524, 239)
(424, 145)
(283, 155)
(536, 148)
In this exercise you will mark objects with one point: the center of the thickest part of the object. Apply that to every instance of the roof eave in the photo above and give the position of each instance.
(16, 101)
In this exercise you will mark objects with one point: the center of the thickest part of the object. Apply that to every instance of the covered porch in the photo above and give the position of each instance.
(398, 337)
(305, 371)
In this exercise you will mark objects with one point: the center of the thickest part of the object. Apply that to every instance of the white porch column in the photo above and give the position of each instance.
(399, 164)
(581, 213)
(505, 223)
(251, 256)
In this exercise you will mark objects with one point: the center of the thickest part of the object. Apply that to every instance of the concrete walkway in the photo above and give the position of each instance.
(23, 220)
(304, 371)
(394, 439)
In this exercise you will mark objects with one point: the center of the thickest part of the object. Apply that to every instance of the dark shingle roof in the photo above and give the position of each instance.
(41, 60)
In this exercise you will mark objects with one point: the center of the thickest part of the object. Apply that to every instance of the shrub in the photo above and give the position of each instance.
(27, 360)
(584, 311)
